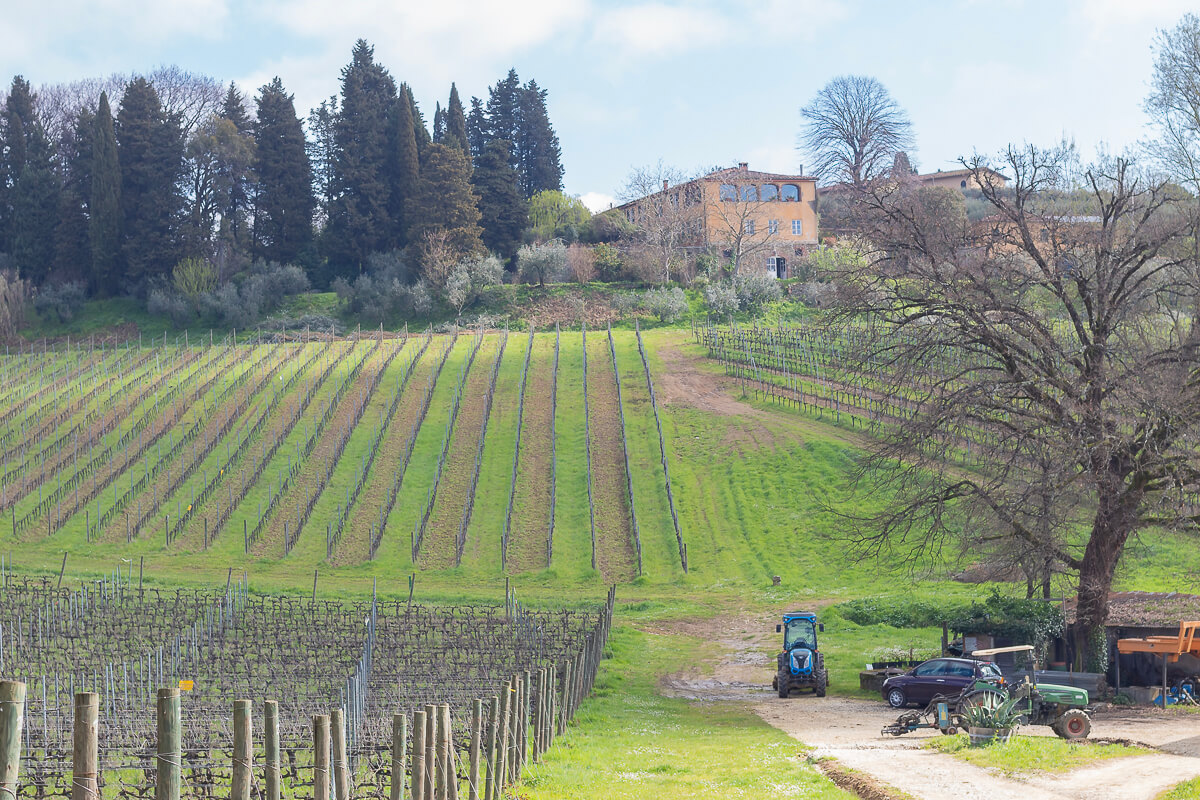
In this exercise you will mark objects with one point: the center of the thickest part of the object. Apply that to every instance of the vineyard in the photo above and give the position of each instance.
(497, 682)
(485, 451)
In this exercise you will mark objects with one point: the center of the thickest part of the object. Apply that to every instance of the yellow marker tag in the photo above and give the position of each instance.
(186, 686)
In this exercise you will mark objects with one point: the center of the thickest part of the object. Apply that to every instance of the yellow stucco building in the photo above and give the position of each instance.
(759, 220)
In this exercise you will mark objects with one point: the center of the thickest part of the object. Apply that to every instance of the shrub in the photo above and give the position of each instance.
(666, 304)
(14, 294)
(722, 299)
(581, 262)
(163, 302)
(624, 303)
(610, 266)
(64, 300)
(756, 290)
(194, 276)
(819, 295)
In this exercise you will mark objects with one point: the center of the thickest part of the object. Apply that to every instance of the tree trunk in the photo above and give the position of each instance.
(1115, 519)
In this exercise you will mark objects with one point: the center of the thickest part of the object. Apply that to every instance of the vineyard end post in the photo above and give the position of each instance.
(399, 755)
(321, 757)
(341, 777)
(243, 750)
(271, 743)
(418, 754)
(12, 714)
(85, 747)
(167, 782)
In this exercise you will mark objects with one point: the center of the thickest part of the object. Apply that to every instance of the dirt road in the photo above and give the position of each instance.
(848, 730)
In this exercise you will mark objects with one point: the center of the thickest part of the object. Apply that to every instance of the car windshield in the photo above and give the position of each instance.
(799, 633)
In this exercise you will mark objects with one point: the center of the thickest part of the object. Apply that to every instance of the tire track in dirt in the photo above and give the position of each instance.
(531, 502)
(615, 557)
(439, 548)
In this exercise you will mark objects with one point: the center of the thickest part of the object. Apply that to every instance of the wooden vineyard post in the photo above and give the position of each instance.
(243, 750)
(85, 747)
(430, 748)
(443, 752)
(271, 743)
(399, 755)
(502, 752)
(12, 716)
(565, 704)
(451, 755)
(170, 751)
(476, 736)
(523, 725)
(321, 757)
(492, 760)
(418, 751)
(341, 776)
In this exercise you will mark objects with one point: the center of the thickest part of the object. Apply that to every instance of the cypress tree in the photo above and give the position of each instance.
(538, 153)
(504, 211)
(72, 248)
(31, 202)
(419, 130)
(406, 166)
(150, 150)
(359, 221)
(322, 155)
(445, 200)
(502, 113)
(477, 131)
(439, 124)
(284, 203)
(104, 202)
(235, 169)
(456, 122)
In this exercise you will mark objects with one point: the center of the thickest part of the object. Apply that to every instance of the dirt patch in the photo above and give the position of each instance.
(858, 783)
(679, 382)
(564, 310)
(530, 525)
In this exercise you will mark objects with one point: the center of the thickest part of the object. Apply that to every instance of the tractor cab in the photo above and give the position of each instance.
(801, 664)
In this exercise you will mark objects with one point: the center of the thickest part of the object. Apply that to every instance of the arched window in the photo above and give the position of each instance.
(749, 193)
(791, 193)
(962, 184)
(769, 192)
(728, 192)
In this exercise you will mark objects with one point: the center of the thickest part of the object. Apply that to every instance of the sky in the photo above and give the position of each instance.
(692, 84)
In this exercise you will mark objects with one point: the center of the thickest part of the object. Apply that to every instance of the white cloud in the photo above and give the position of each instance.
(597, 201)
(659, 30)
(1113, 19)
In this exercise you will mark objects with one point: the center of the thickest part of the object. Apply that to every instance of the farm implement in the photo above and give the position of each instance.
(1063, 708)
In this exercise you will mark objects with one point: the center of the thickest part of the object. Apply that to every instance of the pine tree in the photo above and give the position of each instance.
(359, 221)
(15, 120)
(445, 200)
(284, 204)
(456, 122)
(104, 203)
(72, 248)
(538, 153)
(405, 169)
(150, 150)
(503, 112)
(504, 211)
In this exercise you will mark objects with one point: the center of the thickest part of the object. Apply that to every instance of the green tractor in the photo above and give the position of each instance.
(801, 665)
(1063, 708)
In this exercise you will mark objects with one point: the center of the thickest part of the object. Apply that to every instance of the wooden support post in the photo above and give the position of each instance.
(321, 757)
(451, 754)
(523, 725)
(170, 750)
(341, 770)
(443, 752)
(476, 737)
(506, 700)
(492, 761)
(271, 745)
(429, 744)
(12, 716)
(85, 754)
(418, 751)
(514, 736)
(564, 714)
(399, 755)
(243, 750)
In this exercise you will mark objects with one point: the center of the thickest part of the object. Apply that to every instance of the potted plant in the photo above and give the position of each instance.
(992, 722)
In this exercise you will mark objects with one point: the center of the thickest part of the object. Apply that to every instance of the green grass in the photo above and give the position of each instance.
(629, 741)
(1188, 790)
(1022, 755)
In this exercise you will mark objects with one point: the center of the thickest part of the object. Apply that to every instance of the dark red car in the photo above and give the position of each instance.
(947, 676)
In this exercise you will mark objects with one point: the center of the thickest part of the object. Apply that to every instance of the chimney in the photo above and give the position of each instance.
(743, 166)
(801, 169)
(664, 184)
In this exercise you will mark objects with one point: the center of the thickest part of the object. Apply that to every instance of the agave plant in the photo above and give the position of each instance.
(999, 715)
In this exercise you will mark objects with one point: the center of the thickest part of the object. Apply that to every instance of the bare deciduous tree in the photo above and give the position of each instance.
(740, 224)
(853, 130)
(664, 217)
(1048, 366)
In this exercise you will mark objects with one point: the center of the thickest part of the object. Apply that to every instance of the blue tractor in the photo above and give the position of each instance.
(801, 665)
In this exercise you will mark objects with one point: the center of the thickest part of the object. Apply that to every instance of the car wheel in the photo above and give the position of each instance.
(897, 698)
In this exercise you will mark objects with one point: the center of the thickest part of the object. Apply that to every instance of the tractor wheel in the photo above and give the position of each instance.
(822, 680)
(897, 698)
(1074, 724)
(981, 698)
(783, 687)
